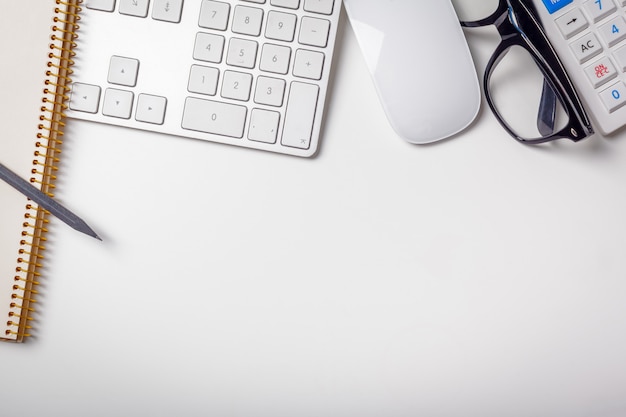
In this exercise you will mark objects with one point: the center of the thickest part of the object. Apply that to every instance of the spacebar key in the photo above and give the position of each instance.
(214, 117)
(300, 115)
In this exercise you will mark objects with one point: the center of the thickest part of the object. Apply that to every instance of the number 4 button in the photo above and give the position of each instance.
(614, 31)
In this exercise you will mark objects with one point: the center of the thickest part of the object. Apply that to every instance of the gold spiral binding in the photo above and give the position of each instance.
(48, 147)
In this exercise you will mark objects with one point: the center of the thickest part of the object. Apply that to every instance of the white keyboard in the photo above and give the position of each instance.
(251, 73)
(590, 38)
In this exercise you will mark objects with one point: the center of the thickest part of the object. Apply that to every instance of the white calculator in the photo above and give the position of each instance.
(590, 38)
(250, 73)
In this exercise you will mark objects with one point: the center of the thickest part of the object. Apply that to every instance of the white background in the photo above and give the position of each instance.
(472, 277)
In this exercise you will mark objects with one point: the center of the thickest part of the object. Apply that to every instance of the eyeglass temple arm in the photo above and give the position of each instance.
(546, 115)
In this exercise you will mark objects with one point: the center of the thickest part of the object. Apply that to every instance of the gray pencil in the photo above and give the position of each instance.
(45, 201)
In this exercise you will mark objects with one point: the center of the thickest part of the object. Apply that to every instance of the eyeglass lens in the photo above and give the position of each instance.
(523, 98)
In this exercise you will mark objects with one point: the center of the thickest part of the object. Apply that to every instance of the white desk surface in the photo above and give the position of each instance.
(472, 277)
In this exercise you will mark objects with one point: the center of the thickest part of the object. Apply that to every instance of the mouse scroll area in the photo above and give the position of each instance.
(420, 63)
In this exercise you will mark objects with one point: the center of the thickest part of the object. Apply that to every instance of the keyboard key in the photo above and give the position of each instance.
(586, 47)
(280, 26)
(614, 97)
(263, 125)
(614, 31)
(300, 115)
(556, 5)
(319, 6)
(237, 85)
(599, 9)
(572, 23)
(151, 109)
(123, 71)
(203, 80)
(242, 53)
(289, 4)
(214, 117)
(601, 72)
(102, 5)
(247, 20)
(214, 15)
(269, 91)
(117, 103)
(308, 64)
(85, 97)
(138, 8)
(314, 32)
(275, 58)
(620, 56)
(167, 10)
(208, 47)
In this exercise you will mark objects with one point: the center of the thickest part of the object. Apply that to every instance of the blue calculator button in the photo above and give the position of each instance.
(556, 5)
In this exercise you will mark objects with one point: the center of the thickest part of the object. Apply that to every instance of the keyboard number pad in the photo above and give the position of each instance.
(274, 42)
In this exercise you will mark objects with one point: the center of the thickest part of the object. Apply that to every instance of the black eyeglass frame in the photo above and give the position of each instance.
(518, 25)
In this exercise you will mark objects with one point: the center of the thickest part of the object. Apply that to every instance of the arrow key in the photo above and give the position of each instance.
(572, 23)
(85, 97)
(117, 103)
(151, 109)
(123, 71)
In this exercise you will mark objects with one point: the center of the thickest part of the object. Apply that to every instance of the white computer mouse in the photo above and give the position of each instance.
(421, 65)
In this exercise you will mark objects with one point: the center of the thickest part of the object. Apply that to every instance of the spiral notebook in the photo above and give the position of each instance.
(39, 49)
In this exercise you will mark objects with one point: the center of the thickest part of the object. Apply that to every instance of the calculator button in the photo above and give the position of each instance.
(314, 32)
(319, 6)
(123, 71)
(102, 5)
(214, 15)
(247, 20)
(601, 72)
(208, 47)
(241, 53)
(599, 9)
(117, 103)
(280, 26)
(614, 31)
(275, 58)
(203, 80)
(620, 56)
(236, 85)
(614, 97)
(308, 64)
(586, 47)
(151, 109)
(572, 23)
(556, 5)
(167, 10)
(214, 117)
(263, 125)
(269, 91)
(85, 97)
(138, 8)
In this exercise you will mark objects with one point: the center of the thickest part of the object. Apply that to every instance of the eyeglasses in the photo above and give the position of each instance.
(524, 69)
